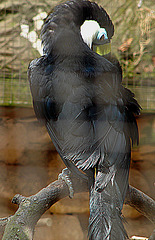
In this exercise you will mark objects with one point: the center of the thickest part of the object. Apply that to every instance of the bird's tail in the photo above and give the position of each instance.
(106, 202)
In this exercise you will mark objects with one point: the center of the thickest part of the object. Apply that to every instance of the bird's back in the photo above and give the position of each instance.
(89, 115)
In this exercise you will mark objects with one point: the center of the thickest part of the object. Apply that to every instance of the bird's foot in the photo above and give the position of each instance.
(65, 176)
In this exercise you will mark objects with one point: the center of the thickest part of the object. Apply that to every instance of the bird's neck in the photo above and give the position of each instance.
(68, 42)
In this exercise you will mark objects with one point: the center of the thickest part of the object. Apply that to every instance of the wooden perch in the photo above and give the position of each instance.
(141, 202)
(22, 224)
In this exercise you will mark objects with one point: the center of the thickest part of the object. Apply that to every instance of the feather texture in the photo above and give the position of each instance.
(90, 117)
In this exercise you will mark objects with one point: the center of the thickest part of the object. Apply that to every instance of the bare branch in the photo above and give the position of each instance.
(141, 202)
(22, 224)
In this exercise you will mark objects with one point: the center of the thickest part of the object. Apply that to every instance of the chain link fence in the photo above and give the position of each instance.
(20, 24)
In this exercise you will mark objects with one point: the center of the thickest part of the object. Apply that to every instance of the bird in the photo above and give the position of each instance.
(77, 92)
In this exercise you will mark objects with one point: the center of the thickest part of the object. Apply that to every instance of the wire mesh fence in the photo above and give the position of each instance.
(16, 50)
(20, 24)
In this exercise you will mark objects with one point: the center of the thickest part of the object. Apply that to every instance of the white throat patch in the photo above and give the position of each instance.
(89, 31)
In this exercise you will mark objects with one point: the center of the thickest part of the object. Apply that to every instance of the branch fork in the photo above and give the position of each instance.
(30, 209)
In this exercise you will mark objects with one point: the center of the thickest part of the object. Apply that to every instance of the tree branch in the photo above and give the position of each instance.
(141, 202)
(22, 224)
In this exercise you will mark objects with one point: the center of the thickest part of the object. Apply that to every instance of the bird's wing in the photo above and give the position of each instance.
(86, 120)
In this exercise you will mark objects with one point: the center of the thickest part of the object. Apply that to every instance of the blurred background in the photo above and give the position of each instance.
(28, 159)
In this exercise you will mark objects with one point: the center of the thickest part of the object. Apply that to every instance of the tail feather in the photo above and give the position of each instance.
(99, 221)
(105, 221)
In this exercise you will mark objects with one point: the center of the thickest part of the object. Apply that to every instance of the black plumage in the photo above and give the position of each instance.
(88, 114)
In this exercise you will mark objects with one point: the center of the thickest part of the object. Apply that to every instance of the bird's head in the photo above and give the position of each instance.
(77, 20)
(95, 37)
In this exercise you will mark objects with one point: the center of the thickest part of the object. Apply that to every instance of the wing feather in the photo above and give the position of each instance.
(87, 121)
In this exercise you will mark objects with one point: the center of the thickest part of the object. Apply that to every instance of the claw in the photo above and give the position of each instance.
(65, 176)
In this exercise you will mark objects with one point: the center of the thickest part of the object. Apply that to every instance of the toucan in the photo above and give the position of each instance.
(78, 95)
